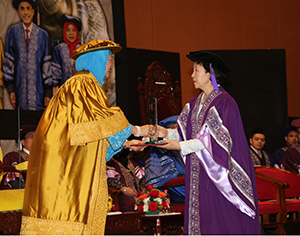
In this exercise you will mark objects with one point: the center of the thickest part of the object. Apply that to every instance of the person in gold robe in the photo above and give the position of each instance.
(66, 188)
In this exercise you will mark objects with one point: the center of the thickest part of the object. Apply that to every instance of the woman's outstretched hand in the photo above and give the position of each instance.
(136, 145)
(157, 131)
(171, 145)
(128, 192)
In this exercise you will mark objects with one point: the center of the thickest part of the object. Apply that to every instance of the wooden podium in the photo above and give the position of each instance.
(124, 223)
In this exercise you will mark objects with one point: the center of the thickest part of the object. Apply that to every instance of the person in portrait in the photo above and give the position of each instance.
(63, 66)
(27, 62)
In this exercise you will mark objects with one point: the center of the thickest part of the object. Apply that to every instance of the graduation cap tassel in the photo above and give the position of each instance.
(213, 78)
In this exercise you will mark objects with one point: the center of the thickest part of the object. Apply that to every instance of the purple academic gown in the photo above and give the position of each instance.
(221, 195)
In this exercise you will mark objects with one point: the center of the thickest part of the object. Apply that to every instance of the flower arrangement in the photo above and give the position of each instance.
(152, 201)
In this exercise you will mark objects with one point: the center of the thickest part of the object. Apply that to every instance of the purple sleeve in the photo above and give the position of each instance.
(291, 157)
(11, 158)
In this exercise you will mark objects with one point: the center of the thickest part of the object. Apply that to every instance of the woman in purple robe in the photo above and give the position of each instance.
(221, 195)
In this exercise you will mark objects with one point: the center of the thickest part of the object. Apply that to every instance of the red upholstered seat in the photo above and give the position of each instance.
(293, 205)
(292, 193)
(293, 180)
(267, 207)
(271, 197)
(176, 182)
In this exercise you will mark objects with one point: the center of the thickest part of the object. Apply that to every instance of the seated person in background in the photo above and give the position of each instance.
(258, 141)
(132, 179)
(113, 180)
(163, 165)
(139, 158)
(290, 135)
(11, 179)
(291, 160)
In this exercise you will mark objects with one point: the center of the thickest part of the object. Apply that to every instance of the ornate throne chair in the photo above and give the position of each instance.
(158, 84)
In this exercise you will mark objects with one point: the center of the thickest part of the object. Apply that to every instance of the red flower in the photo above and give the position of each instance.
(139, 193)
(154, 193)
(162, 194)
(153, 206)
(164, 205)
(141, 207)
(149, 187)
(143, 196)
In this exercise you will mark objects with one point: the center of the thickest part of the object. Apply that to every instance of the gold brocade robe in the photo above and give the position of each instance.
(66, 186)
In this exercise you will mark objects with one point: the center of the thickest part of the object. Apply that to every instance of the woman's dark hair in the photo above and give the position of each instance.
(220, 79)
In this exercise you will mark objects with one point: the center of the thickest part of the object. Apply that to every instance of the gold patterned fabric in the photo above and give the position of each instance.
(96, 45)
(66, 187)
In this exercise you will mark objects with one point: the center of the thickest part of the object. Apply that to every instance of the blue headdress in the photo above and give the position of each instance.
(94, 62)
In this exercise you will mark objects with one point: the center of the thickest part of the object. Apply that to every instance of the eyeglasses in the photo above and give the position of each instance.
(29, 136)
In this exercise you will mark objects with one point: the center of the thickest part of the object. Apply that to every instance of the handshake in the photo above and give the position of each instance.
(150, 134)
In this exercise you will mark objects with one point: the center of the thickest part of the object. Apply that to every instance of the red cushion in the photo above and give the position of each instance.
(266, 207)
(292, 205)
(178, 180)
(292, 179)
(266, 190)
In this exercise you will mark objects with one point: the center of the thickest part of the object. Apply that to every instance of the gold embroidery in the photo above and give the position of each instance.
(98, 202)
(36, 226)
(95, 45)
(97, 130)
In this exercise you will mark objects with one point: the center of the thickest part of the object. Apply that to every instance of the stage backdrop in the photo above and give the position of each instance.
(102, 19)
(97, 23)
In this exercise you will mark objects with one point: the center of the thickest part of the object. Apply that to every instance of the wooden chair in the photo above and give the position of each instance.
(158, 84)
(271, 201)
(292, 194)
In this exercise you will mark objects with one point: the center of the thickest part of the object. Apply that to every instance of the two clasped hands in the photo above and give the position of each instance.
(152, 132)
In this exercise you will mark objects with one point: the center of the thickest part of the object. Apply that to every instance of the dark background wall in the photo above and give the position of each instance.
(139, 61)
(258, 84)
(241, 34)
(190, 25)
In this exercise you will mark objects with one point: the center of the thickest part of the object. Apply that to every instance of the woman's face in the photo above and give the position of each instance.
(71, 33)
(200, 76)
